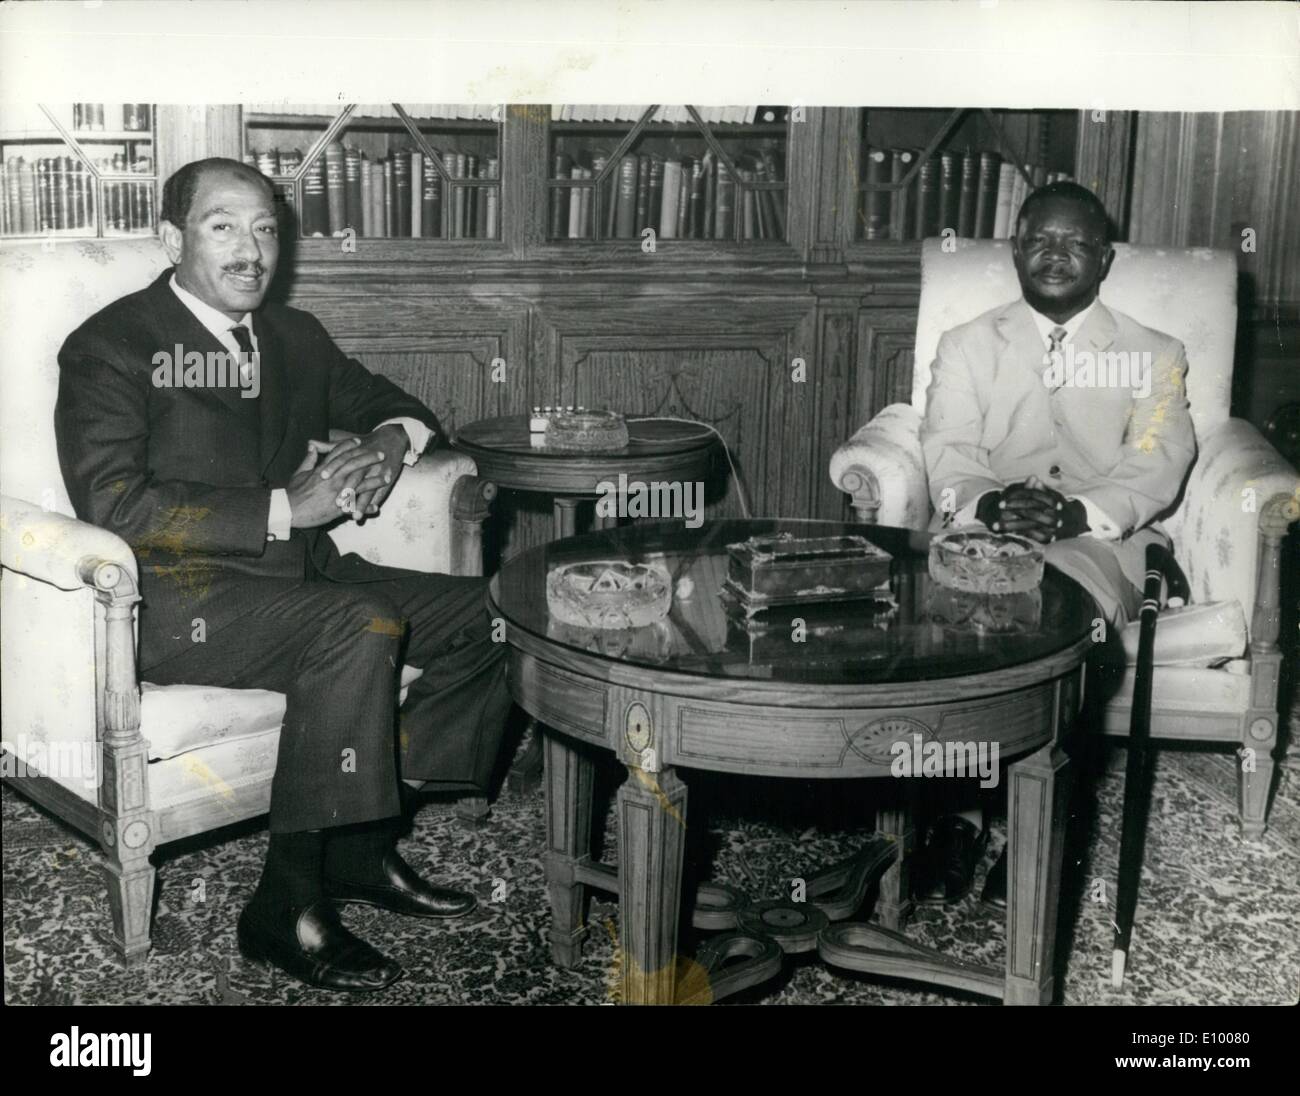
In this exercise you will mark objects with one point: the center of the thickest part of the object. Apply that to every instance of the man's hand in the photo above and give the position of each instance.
(319, 488)
(392, 442)
(1032, 510)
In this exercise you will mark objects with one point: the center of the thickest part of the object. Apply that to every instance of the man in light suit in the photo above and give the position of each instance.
(224, 489)
(1058, 419)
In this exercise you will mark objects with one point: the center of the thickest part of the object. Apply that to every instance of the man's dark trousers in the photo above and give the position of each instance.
(335, 650)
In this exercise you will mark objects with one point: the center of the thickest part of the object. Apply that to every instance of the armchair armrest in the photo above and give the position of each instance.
(431, 521)
(59, 550)
(883, 468)
(1240, 495)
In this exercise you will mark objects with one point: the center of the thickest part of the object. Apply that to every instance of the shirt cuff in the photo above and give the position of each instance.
(966, 515)
(417, 432)
(279, 522)
(1100, 525)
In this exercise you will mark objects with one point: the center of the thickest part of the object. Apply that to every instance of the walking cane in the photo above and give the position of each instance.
(1137, 773)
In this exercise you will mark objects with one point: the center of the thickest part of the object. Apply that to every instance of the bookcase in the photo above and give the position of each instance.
(964, 171)
(77, 169)
(383, 171)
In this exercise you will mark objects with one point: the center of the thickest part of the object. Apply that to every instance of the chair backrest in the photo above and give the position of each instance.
(46, 290)
(1189, 293)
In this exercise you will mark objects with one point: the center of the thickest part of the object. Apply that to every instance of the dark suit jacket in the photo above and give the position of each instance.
(184, 475)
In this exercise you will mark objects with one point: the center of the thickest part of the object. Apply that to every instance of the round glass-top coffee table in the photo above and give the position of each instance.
(872, 689)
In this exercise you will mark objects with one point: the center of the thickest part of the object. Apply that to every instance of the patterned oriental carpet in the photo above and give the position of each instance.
(1216, 923)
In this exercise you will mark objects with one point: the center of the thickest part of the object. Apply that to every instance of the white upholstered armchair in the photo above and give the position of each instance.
(132, 765)
(1227, 527)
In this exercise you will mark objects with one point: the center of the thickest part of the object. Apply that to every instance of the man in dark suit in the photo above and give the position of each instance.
(224, 492)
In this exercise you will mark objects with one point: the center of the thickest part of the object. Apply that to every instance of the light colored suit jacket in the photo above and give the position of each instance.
(991, 420)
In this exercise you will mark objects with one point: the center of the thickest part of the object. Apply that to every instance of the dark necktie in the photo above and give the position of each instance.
(246, 351)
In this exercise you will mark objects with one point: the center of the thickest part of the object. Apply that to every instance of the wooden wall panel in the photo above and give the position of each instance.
(723, 361)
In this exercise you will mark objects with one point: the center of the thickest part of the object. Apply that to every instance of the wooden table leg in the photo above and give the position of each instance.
(564, 517)
(569, 779)
(526, 773)
(1036, 816)
(897, 822)
(652, 831)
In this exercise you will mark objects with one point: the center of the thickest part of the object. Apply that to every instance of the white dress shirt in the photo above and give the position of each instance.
(279, 522)
(1099, 524)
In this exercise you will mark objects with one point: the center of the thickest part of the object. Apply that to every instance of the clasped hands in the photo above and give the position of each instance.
(1032, 509)
(352, 476)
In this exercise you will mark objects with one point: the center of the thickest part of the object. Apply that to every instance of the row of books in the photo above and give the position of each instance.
(132, 116)
(400, 195)
(975, 193)
(56, 194)
(671, 114)
(686, 199)
(486, 112)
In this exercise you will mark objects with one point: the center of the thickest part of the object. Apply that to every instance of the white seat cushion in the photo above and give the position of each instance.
(176, 719)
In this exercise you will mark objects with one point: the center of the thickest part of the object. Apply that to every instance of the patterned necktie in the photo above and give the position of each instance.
(1054, 340)
(246, 351)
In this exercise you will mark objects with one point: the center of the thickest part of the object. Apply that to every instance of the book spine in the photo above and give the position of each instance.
(432, 218)
(966, 200)
(378, 183)
(77, 180)
(749, 229)
(642, 206)
(493, 199)
(655, 195)
(27, 197)
(417, 193)
(8, 203)
(1019, 189)
(335, 192)
(927, 199)
(587, 207)
(401, 194)
(724, 225)
(469, 170)
(875, 203)
(776, 198)
(710, 198)
(628, 171)
(949, 191)
(353, 203)
(681, 227)
(315, 205)
(268, 162)
(606, 192)
(986, 198)
(575, 205)
(670, 199)
(147, 218)
(1002, 209)
(391, 220)
(560, 198)
(480, 204)
(695, 217)
(366, 225)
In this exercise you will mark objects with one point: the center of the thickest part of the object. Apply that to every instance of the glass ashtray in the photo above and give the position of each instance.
(980, 562)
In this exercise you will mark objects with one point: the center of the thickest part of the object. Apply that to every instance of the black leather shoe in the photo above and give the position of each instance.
(316, 947)
(995, 886)
(947, 865)
(402, 892)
